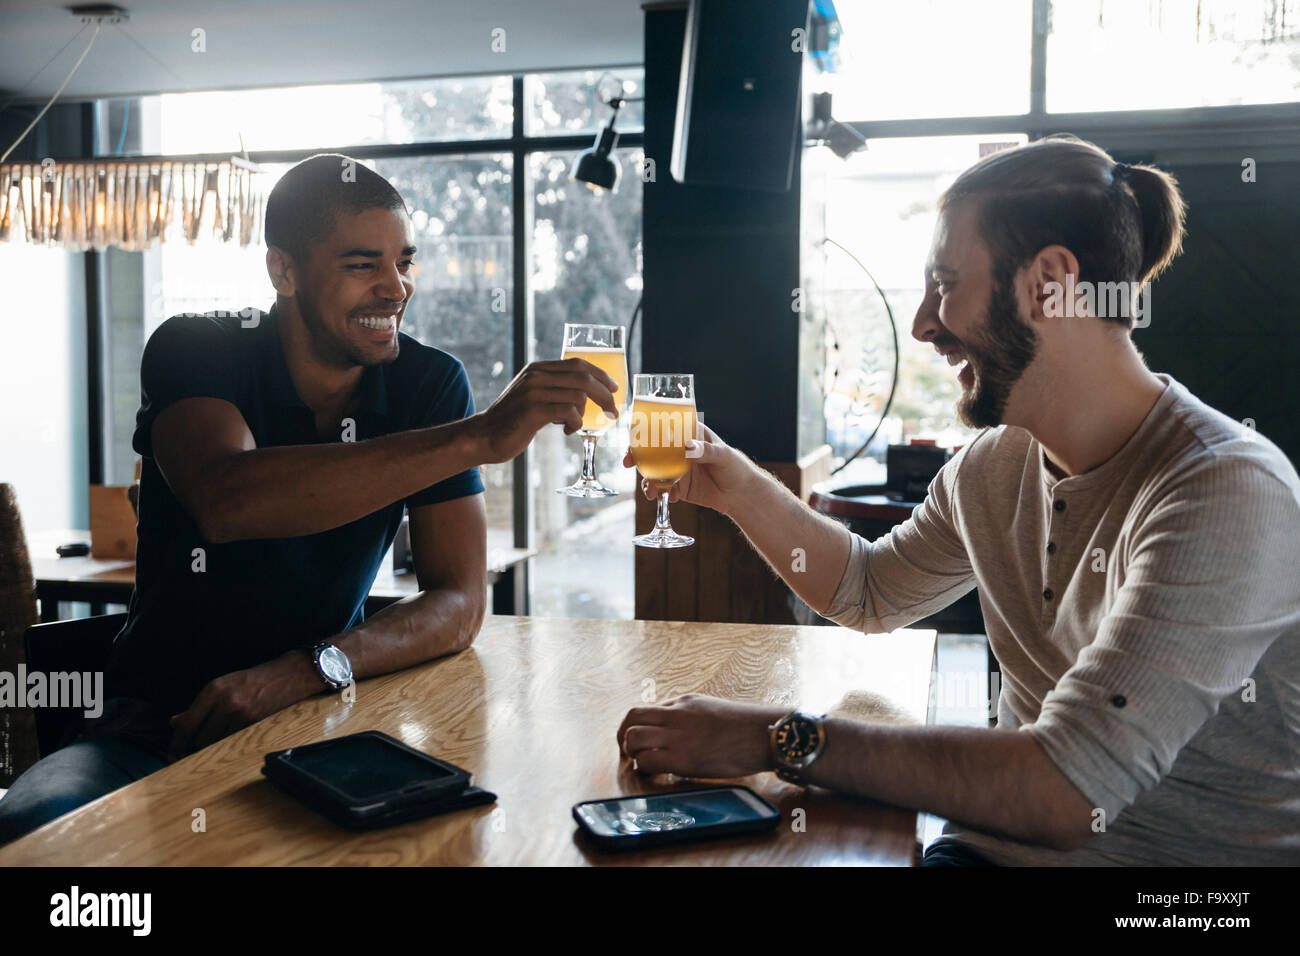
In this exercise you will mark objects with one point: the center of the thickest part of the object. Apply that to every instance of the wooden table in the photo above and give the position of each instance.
(99, 581)
(531, 710)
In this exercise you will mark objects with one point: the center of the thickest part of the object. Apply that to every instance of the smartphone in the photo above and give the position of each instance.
(655, 819)
(369, 780)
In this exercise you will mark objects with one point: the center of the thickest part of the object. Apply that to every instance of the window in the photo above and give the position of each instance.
(586, 266)
(575, 102)
(883, 216)
(932, 58)
(316, 117)
(43, 386)
(1113, 55)
(461, 213)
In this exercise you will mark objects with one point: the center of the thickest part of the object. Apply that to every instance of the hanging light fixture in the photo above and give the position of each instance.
(131, 202)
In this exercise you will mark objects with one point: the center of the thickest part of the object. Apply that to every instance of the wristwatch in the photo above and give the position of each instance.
(794, 742)
(332, 664)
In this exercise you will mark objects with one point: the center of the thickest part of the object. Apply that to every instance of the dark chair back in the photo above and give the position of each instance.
(17, 613)
(62, 646)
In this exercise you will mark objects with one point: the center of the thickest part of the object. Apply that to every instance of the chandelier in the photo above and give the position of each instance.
(131, 204)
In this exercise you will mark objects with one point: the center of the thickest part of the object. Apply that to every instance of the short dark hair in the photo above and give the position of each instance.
(1123, 223)
(303, 207)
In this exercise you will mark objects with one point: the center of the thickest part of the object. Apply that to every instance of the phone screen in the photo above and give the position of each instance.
(656, 813)
(365, 767)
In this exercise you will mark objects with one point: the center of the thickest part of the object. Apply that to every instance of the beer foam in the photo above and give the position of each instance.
(572, 349)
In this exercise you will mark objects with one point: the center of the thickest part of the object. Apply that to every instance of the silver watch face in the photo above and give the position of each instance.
(334, 664)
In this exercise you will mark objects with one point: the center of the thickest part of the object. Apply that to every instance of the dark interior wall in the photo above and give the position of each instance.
(720, 268)
(1224, 318)
(58, 134)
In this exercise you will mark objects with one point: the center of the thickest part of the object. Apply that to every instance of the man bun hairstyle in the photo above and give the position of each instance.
(305, 204)
(1123, 223)
(1162, 213)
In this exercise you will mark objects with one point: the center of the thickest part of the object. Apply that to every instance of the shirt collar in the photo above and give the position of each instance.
(1121, 461)
(374, 387)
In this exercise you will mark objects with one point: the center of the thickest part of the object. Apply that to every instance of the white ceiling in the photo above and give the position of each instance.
(261, 43)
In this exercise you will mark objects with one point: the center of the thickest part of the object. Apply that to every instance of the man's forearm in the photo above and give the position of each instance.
(286, 491)
(996, 780)
(808, 550)
(426, 625)
(430, 624)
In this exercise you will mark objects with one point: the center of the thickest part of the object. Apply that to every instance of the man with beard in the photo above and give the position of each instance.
(280, 451)
(1134, 550)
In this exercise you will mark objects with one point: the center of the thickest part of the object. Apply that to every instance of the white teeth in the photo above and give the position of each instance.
(386, 322)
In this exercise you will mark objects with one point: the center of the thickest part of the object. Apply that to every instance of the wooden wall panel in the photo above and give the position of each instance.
(721, 577)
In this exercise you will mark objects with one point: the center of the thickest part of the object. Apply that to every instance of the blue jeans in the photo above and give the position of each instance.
(69, 778)
(950, 854)
(126, 742)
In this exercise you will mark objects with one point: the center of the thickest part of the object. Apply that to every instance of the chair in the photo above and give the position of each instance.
(80, 645)
(17, 613)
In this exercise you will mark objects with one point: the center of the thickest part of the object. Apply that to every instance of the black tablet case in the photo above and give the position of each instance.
(470, 796)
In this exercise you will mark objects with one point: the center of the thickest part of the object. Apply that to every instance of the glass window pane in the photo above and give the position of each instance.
(170, 278)
(929, 58)
(43, 386)
(586, 267)
(463, 302)
(880, 206)
(1176, 53)
(322, 117)
(574, 102)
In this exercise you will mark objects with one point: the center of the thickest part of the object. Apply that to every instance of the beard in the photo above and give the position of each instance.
(998, 355)
(336, 351)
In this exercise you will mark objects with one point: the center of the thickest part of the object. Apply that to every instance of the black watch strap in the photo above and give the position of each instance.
(794, 742)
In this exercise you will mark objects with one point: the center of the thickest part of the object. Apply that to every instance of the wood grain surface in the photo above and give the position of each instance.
(531, 710)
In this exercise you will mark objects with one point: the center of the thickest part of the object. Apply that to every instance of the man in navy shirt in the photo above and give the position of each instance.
(279, 452)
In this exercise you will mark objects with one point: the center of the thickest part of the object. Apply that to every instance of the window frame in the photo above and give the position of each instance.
(1141, 131)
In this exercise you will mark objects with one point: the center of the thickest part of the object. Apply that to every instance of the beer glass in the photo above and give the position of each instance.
(663, 420)
(604, 346)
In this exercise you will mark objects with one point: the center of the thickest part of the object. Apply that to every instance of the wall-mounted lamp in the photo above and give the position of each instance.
(824, 130)
(596, 166)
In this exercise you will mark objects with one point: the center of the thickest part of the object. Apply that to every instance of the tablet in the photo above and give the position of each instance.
(370, 779)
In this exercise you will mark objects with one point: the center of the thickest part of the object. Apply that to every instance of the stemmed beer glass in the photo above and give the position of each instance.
(604, 346)
(663, 420)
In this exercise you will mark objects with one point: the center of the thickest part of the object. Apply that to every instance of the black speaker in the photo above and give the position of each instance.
(738, 102)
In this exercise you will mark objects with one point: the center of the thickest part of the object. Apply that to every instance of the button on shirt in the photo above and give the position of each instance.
(199, 609)
(1146, 618)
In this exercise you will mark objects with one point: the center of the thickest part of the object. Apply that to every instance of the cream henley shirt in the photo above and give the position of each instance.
(1146, 618)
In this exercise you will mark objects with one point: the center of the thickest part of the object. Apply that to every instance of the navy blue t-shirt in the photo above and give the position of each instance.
(195, 616)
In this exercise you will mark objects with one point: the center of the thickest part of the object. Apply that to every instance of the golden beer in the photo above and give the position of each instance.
(613, 362)
(660, 428)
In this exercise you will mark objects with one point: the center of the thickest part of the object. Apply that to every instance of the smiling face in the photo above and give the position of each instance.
(355, 286)
(968, 314)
